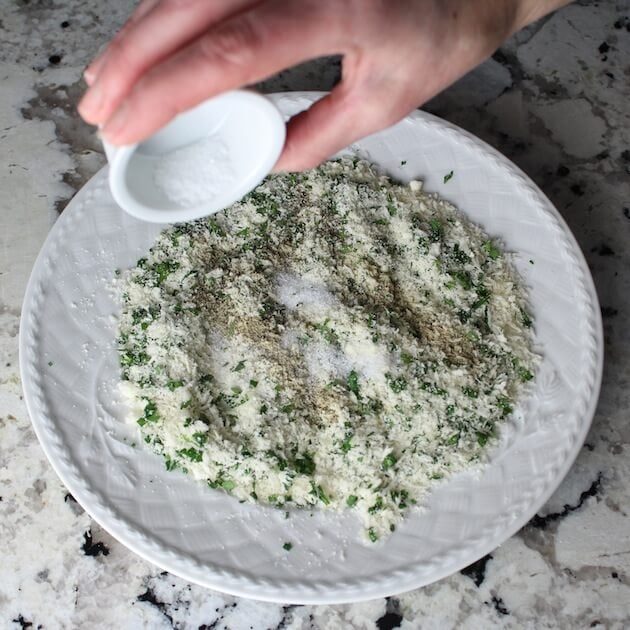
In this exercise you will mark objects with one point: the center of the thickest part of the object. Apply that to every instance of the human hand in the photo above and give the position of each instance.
(173, 54)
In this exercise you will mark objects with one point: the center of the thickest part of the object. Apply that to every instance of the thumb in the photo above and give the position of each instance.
(332, 123)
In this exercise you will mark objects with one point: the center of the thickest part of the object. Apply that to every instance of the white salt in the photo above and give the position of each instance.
(295, 292)
(323, 361)
(195, 173)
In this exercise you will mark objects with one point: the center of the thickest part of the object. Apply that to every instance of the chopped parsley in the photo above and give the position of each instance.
(353, 383)
(193, 454)
(491, 249)
(398, 384)
(389, 462)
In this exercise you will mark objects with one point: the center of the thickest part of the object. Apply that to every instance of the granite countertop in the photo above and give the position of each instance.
(554, 99)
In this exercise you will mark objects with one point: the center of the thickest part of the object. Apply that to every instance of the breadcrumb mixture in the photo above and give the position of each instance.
(334, 339)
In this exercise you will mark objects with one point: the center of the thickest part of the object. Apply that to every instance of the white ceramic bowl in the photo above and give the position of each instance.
(248, 131)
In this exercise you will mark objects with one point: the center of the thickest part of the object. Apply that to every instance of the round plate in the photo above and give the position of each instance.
(70, 373)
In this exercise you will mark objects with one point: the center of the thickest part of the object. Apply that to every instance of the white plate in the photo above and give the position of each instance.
(70, 371)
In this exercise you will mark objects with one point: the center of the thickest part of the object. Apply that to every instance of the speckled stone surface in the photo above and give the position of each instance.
(555, 99)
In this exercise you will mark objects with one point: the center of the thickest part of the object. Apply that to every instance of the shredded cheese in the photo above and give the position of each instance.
(334, 340)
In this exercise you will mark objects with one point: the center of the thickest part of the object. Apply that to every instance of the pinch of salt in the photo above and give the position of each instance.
(193, 174)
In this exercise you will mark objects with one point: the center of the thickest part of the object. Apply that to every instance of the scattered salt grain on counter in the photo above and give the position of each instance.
(195, 173)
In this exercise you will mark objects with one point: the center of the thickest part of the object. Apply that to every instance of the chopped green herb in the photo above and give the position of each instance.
(239, 366)
(372, 535)
(353, 383)
(448, 176)
(436, 230)
(171, 464)
(525, 375)
(406, 358)
(491, 249)
(482, 438)
(460, 256)
(192, 454)
(351, 501)
(164, 269)
(397, 385)
(527, 320)
(128, 358)
(346, 444)
(471, 392)
(318, 491)
(200, 438)
(328, 333)
(304, 464)
(505, 405)
(389, 461)
(228, 485)
(287, 546)
(432, 388)
(464, 279)
(378, 505)
(253, 383)
(215, 228)
(150, 412)
(173, 385)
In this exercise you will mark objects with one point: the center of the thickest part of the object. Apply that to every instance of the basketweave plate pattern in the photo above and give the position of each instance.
(70, 373)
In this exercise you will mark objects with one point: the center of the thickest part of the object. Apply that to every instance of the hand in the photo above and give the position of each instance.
(397, 54)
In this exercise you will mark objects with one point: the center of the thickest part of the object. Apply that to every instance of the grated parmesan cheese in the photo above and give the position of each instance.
(334, 339)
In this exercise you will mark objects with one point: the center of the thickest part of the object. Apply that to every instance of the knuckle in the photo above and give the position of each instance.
(234, 42)
(121, 51)
(382, 102)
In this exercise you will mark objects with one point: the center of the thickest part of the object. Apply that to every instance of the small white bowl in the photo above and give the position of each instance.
(201, 162)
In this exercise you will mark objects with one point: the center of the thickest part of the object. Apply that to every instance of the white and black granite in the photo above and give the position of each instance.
(555, 99)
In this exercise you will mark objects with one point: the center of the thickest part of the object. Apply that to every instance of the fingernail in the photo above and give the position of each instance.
(89, 76)
(116, 123)
(91, 103)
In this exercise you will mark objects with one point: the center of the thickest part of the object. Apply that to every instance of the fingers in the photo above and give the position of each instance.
(346, 115)
(155, 31)
(241, 50)
(92, 71)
